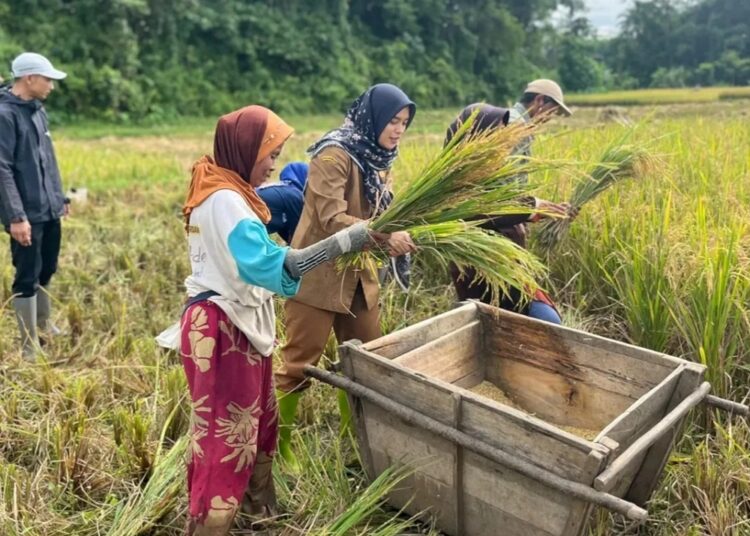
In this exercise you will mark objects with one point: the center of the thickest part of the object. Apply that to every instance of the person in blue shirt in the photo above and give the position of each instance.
(285, 199)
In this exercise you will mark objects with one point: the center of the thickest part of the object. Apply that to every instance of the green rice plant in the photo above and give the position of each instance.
(174, 410)
(711, 316)
(641, 280)
(470, 180)
(131, 432)
(471, 177)
(619, 161)
(365, 505)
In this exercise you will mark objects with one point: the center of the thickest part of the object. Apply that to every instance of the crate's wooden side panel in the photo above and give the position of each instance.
(403, 386)
(644, 355)
(580, 511)
(404, 340)
(500, 501)
(520, 434)
(645, 413)
(452, 358)
(638, 419)
(650, 471)
(549, 372)
(430, 486)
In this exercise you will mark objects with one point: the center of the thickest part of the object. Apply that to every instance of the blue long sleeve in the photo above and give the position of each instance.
(260, 261)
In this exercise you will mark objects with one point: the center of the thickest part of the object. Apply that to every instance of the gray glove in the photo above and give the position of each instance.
(300, 261)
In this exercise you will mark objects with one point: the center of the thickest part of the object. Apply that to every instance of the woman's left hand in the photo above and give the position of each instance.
(400, 243)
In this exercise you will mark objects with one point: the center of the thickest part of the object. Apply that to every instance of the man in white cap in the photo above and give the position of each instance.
(31, 195)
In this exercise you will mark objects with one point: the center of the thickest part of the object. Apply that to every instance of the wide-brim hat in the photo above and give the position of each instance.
(551, 89)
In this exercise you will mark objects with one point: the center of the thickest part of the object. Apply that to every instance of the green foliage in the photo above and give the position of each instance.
(149, 59)
(673, 44)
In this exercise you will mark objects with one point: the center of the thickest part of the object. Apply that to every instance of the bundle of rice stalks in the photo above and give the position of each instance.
(619, 161)
(142, 511)
(471, 177)
(471, 180)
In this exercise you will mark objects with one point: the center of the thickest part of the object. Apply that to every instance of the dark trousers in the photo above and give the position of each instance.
(36, 263)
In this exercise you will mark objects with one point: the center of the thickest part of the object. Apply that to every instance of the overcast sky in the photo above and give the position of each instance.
(604, 14)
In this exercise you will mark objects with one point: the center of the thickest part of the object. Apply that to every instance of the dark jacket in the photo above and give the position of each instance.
(30, 185)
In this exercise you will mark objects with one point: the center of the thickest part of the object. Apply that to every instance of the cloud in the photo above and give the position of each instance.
(605, 14)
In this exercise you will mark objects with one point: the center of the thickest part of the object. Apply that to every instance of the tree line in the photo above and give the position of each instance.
(134, 59)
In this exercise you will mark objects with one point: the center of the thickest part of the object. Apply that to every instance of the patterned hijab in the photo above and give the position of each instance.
(365, 120)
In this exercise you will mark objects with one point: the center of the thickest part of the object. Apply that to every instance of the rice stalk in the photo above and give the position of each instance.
(468, 182)
(471, 177)
(143, 510)
(619, 161)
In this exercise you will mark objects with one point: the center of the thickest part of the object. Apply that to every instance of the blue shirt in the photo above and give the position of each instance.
(285, 203)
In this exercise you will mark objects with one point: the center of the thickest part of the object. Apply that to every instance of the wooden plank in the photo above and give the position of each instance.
(554, 397)
(651, 469)
(547, 347)
(498, 497)
(450, 357)
(527, 437)
(570, 335)
(429, 488)
(404, 340)
(645, 413)
(404, 386)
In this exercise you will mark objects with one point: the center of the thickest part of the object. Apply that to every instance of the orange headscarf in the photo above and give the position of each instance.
(242, 138)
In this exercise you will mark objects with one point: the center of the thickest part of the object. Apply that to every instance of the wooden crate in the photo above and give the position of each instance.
(634, 399)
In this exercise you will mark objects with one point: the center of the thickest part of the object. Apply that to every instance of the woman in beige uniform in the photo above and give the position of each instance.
(348, 183)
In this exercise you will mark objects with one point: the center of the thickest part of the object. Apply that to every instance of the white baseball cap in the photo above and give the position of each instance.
(30, 63)
(551, 89)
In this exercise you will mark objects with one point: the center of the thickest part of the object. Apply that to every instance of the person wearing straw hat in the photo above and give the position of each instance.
(31, 196)
(540, 100)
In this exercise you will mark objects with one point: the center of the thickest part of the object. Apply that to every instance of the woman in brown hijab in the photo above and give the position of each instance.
(228, 325)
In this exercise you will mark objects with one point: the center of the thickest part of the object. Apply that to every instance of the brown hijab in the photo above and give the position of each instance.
(242, 138)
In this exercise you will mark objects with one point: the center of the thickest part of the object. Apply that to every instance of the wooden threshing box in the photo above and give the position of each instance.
(634, 400)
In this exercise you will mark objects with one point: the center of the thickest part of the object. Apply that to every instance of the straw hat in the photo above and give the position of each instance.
(551, 89)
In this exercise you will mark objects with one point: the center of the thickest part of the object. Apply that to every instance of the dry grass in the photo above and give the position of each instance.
(661, 263)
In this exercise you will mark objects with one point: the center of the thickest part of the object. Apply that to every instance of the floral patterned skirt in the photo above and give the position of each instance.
(234, 421)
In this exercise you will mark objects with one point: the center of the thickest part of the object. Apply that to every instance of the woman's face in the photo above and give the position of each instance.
(391, 135)
(262, 169)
